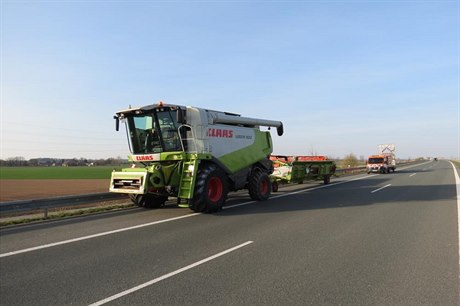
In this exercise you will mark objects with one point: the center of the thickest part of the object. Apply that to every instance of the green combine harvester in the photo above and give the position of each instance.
(195, 155)
(298, 169)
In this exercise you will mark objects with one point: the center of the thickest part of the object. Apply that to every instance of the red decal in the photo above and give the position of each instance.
(144, 157)
(220, 133)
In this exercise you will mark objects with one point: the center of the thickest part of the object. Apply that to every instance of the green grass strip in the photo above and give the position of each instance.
(64, 214)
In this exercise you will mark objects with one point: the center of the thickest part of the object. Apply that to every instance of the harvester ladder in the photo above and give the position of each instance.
(188, 177)
(188, 141)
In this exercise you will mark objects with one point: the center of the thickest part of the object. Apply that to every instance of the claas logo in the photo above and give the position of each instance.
(221, 133)
(143, 157)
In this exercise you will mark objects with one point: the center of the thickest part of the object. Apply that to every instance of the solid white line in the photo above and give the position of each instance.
(158, 222)
(412, 174)
(412, 166)
(381, 188)
(457, 184)
(94, 236)
(176, 218)
(302, 191)
(158, 279)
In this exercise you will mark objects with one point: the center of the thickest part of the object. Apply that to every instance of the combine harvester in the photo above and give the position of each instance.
(297, 169)
(194, 154)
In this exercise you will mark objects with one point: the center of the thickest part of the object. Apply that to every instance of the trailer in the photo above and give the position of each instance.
(298, 169)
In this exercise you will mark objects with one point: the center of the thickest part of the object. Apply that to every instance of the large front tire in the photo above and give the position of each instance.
(211, 189)
(259, 186)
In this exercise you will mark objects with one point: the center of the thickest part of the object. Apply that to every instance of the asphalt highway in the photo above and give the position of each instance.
(377, 239)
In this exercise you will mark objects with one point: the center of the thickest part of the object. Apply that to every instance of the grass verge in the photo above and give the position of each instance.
(60, 213)
(456, 163)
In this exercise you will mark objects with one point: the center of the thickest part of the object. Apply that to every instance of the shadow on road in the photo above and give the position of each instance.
(362, 192)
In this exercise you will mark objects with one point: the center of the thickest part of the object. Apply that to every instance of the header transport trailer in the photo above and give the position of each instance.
(196, 155)
(297, 169)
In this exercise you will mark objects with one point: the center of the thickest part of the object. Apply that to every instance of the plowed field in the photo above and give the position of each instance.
(15, 190)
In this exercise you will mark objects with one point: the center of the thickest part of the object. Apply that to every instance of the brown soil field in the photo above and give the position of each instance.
(15, 190)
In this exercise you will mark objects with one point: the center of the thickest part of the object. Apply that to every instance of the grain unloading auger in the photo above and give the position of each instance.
(194, 154)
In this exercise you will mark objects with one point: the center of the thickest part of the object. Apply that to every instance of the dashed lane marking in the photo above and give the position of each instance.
(158, 279)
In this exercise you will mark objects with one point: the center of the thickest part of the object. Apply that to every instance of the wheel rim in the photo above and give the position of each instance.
(215, 189)
(263, 187)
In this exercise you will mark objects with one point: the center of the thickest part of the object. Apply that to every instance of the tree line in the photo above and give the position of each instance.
(19, 161)
(350, 160)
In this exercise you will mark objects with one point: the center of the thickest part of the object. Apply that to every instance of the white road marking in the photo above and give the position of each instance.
(457, 184)
(412, 174)
(301, 191)
(40, 247)
(381, 188)
(158, 279)
(94, 236)
(412, 166)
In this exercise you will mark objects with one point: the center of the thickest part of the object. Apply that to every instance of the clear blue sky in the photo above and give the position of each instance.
(343, 76)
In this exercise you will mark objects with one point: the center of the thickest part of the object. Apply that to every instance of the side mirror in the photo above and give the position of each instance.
(117, 123)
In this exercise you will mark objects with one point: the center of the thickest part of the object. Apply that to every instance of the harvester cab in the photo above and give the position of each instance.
(151, 130)
(193, 154)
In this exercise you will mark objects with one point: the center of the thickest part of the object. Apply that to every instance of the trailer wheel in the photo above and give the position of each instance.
(154, 200)
(259, 186)
(211, 189)
(275, 186)
(327, 179)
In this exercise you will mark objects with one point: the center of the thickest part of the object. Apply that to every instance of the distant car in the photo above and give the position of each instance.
(435, 159)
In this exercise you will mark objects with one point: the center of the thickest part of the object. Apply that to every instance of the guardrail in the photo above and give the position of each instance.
(58, 202)
(68, 201)
(351, 170)
(43, 205)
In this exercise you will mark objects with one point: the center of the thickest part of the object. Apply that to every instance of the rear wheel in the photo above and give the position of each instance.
(259, 186)
(211, 189)
(327, 179)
